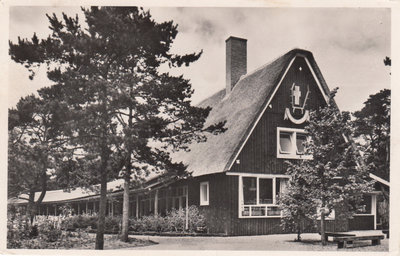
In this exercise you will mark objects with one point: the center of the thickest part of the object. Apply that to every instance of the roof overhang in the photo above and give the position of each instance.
(379, 179)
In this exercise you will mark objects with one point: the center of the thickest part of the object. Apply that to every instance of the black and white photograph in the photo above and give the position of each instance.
(198, 128)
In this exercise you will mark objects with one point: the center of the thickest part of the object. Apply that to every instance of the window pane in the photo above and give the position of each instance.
(365, 205)
(258, 211)
(285, 142)
(266, 194)
(277, 186)
(246, 211)
(300, 140)
(273, 211)
(204, 193)
(249, 190)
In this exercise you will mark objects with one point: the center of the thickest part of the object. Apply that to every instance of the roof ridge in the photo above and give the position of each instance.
(256, 70)
(268, 63)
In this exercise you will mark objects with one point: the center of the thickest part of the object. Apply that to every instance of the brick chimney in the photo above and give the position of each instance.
(236, 61)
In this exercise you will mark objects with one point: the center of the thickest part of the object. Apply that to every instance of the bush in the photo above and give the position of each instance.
(84, 221)
(174, 221)
(46, 233)
(18, 229)
(112, 224)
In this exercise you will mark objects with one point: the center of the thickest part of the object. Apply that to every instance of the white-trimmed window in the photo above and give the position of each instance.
(204, 193)
(258, 195)
(290, 143)
(365, 205)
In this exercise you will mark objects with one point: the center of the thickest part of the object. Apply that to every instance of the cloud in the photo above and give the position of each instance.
(356, 42)
(348, 43)
(205, 27)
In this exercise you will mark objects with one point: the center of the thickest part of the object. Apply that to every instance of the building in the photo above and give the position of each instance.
(237, 175)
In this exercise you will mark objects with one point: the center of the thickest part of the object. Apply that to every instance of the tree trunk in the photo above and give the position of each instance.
(298, 235)
(30, 210)
(128, 169)
(125, 210)
(323, 240)
(102, 211)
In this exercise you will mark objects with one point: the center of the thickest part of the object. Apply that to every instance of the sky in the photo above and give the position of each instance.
(349, 44)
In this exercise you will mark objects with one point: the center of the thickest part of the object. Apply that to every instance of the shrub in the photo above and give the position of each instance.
(174, 221)
(18, 229)
(112, 224)
(46, 233)
(84, 221)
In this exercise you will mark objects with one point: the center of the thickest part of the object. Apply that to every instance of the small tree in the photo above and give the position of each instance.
(331, 176)
(298, 208)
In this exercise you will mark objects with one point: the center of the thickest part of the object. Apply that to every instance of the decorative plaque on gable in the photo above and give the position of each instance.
(297, 113)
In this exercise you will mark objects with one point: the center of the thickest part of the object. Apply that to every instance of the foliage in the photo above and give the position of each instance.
(383, 211)
(81, 221)
(118, 101)
(298, 208)
(331, 176)
(36, 140)
(18, 229)
(89, 222)
(174, 221)
(372, 122)
(47, 232)
(372, 125)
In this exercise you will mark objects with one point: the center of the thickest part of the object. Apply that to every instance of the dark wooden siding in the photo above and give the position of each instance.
(361, 222)
(337, 225)
(217, 213)
(259, 153)
(222, 212)
(250, 226)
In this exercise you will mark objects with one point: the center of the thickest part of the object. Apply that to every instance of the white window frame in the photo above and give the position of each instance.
(205, 201)
(373, 207)
(293, 153)
(258, 177)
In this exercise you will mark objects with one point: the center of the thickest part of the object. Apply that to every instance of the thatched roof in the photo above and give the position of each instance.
(240, 109)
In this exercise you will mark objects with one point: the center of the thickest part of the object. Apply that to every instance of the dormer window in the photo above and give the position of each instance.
(290, 143)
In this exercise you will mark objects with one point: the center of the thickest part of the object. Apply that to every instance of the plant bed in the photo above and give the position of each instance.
(75, 240)
(154, 233)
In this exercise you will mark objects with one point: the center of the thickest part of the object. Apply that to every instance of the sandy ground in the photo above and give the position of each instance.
(311, 242)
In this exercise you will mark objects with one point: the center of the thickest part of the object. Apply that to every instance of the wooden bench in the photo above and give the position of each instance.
(342, 241)
(336, 234)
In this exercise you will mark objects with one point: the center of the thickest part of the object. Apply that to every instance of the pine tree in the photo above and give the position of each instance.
(372, 122)
(120, 103)
(332, 176)
(36, 140)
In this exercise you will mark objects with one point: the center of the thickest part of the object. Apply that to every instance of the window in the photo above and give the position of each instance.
(266, 194)
(291, 143)
(364, 207)
(257, 195)
(204, 193)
